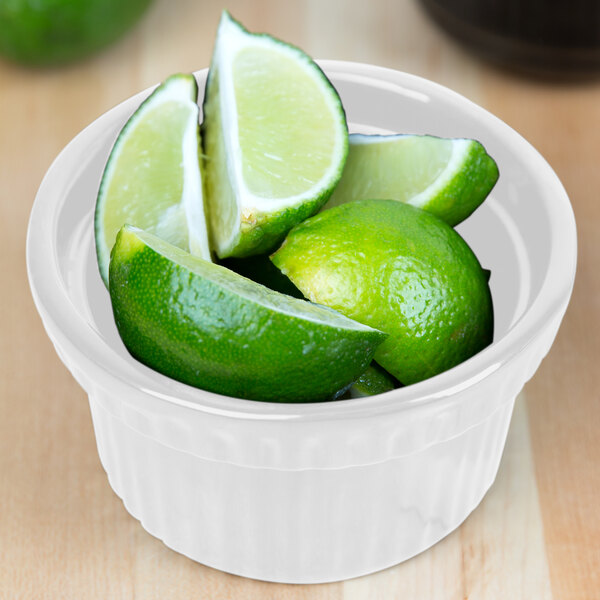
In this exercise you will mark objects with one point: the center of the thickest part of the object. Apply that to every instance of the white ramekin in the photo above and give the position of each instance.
(327, 491)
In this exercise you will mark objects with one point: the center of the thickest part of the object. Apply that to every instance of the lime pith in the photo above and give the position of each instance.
(152, 178)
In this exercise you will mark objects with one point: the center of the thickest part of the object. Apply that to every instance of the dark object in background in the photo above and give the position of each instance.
(51, 32)
(550, 37)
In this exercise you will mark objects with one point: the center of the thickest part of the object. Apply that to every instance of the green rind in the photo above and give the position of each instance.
(467, 190)
(267, 231)
(201, 324)
(102, 252)
(260, 232)
(401, 270)
(457, 198)
(375, 380)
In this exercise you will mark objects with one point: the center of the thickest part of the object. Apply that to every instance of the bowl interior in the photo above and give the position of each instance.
(513, 233)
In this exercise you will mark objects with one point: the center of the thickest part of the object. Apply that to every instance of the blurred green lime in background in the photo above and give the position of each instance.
(51, 32)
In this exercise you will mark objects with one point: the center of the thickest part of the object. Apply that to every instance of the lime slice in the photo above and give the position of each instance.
(275, 137)
(152, 178)
(375, 380)
(401, 270)
(204, 325)
(447, 177)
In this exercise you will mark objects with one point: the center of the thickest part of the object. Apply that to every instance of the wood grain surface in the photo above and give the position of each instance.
(65, 534)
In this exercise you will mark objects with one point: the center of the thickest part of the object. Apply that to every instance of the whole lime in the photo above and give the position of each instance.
(398, 269)
(50, 32)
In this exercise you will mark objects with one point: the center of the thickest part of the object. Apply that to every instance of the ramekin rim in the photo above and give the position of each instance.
(42, 267)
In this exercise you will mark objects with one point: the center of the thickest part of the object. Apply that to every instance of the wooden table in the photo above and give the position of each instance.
(65, 534)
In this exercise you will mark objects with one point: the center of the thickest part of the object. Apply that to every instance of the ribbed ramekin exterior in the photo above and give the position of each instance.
(329, 443)
(308, 525)
(300, 526)
(311, 524)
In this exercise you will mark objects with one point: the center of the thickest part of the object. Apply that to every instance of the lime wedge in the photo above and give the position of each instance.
(375, 380)
(152, 178)
(449, 177)
(204, 325)
(275, 138)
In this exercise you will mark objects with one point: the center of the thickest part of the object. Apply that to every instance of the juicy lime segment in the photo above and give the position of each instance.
(401, 270)
(449, 177)
(275, 139)
(285, 144)
(204, 325)
(152, 178)
(138, 175)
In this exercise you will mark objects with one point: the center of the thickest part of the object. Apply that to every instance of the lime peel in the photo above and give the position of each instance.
(204, 325)
(401, 270)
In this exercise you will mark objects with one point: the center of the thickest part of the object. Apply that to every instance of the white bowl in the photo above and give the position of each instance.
(327, 491)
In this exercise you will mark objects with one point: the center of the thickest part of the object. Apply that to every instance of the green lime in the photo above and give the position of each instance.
(447, 177)
(152, 178)
(204, 325)
(399, 269)
(375, 380)
(49, 32)
(275, 138)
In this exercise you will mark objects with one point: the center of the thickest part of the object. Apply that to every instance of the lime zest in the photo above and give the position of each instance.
(207, 326)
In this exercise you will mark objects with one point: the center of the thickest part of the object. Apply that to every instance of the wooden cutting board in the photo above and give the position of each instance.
(64, 533)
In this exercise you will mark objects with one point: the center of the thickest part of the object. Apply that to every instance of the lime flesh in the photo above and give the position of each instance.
(204, 325)
(152, 178)
(275, 139)
(449, 177)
